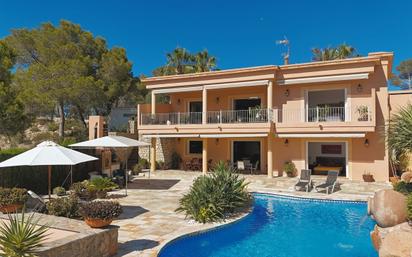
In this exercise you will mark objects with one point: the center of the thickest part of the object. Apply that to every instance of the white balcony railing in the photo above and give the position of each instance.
(317, 114)
(212, 117)
(324, 114)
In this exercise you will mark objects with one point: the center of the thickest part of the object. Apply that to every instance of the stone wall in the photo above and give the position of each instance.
(164, 149)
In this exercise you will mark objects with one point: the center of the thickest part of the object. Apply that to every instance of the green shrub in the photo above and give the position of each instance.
(63, 207)
(105, 210)
(52, 126)
(213, 197)
(137, 169)
(22, 236)
(403, 187)
(67, 141)
(59, 191)
(144, 163)
(161, 165)
(83, 190)
(8, 153)
(176, 160)
(290, 168)
(43, 136)
(12, 196)
(409, 206)
(102, 184)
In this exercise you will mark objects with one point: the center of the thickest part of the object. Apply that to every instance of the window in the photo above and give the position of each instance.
(195, 147)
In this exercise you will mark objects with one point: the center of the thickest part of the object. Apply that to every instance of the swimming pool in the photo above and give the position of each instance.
(285, 227)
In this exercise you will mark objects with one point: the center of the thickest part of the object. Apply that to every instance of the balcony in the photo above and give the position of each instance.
(328, 119)
(212, 117)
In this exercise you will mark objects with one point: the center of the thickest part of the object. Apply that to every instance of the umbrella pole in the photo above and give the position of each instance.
(49, 172)
(71, 175)
(125, 176)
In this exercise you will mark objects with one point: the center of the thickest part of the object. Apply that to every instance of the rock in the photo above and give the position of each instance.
(376, 238)
(406, 177)
(388, 208)
(397, 243)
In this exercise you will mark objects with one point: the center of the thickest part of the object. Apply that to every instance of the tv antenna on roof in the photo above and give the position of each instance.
(286, 43)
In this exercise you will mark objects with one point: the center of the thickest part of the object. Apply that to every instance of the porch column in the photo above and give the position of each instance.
(152, 154)
(204, 156)
(270, 95)
(204, 106)
(270, 155)
(153, 109)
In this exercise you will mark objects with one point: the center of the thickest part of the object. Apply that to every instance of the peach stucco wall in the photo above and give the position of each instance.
(372, 92)
(220, 149)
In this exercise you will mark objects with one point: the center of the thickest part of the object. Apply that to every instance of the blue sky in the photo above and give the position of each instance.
(239, 33)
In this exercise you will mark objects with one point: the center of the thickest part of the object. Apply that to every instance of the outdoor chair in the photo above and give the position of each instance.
(188, 165)
(304, 181)
(39, 203)
(330, 182)
(196, 164)
(253, 168)
(240, 166)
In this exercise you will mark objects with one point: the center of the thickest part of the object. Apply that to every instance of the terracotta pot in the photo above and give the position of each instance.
(98, 223)
(11, 208)
(368, 178)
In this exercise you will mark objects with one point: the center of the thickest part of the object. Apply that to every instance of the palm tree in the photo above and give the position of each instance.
(342, 51)
(181, 60)
(204, 62)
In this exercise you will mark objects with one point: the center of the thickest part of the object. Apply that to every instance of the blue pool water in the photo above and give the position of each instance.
(285, 227)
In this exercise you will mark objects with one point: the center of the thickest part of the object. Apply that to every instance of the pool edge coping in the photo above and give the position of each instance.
(244, 215)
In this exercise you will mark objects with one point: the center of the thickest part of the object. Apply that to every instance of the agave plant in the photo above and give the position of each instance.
(213, 197)
(21, 236)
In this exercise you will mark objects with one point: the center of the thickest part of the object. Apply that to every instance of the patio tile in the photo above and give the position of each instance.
(149, 220)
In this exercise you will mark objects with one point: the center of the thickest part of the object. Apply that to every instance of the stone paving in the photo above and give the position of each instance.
(149, 220)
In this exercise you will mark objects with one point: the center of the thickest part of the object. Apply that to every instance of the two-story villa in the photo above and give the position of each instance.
(318, 115)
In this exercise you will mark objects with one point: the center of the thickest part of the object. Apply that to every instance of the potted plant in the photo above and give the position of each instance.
(12, 199)
(59, 191)
(101, 186)
(368, 177)
(99, 214)
(289, 168)
(82, 190)
(362, 111)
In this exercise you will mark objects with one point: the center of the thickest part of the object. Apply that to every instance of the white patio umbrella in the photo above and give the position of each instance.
(115, 142)
(48, 154)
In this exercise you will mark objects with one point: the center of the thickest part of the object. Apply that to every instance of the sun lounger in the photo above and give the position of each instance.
(304, 181)
(330, 182)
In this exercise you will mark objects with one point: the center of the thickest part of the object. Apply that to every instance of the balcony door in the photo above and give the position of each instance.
(326, 105)
(246, 110)
(195, 112)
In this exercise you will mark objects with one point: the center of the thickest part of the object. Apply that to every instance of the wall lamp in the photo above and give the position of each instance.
(286, 141)
(359, 88)
(217, 100)
(178, 101)
(366, 143)
(217, 141)
(287, 92)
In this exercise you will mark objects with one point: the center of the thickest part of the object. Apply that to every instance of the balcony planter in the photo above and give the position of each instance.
(368, 178)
